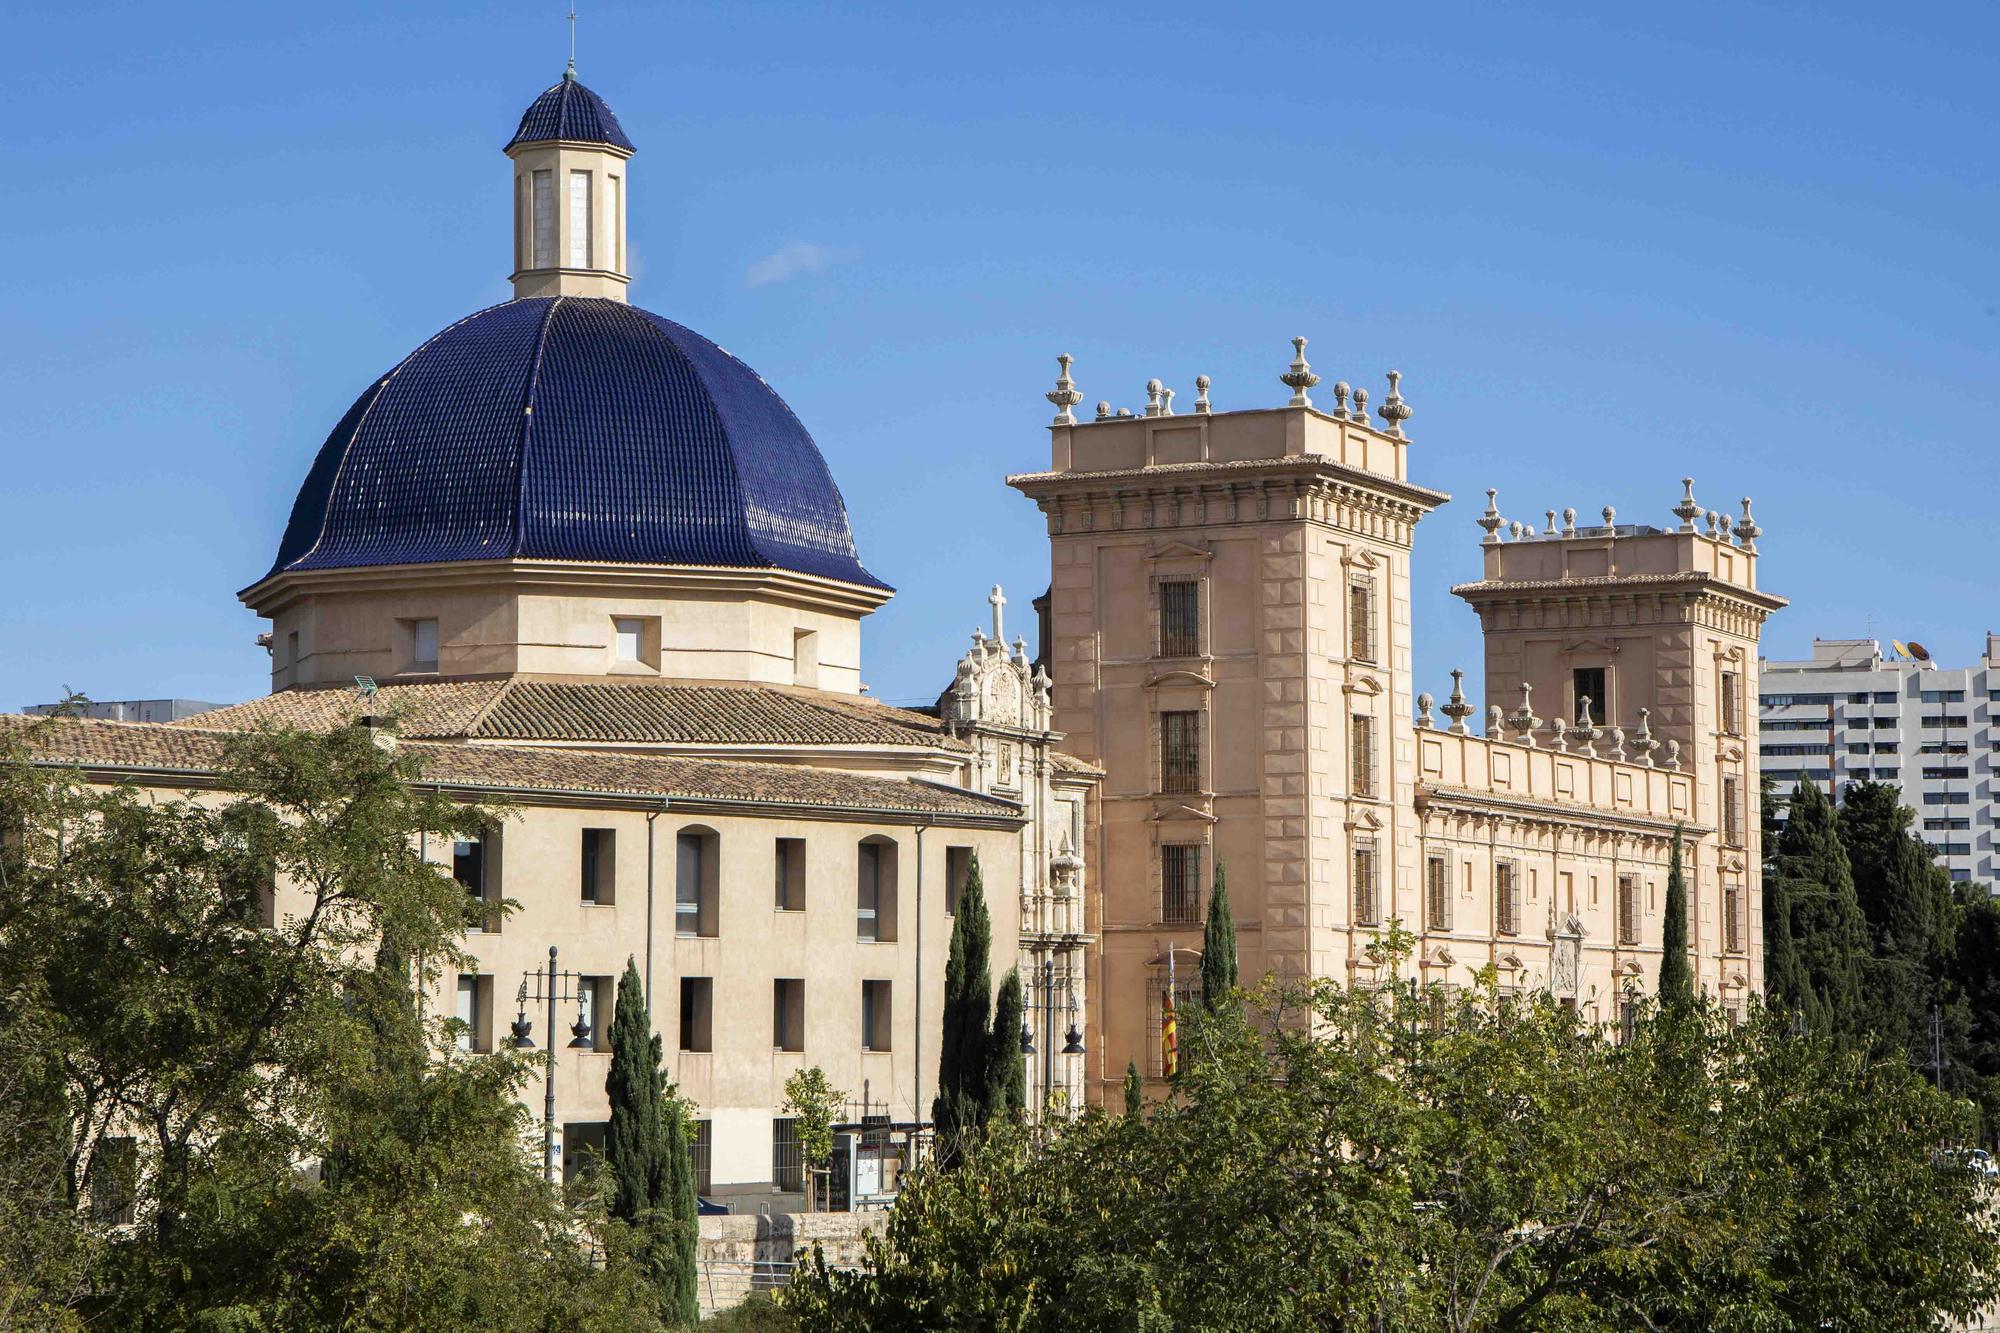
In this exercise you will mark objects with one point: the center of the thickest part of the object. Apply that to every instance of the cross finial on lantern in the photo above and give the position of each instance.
(998, 600)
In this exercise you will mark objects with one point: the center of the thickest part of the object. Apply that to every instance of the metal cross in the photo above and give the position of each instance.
(572, 36)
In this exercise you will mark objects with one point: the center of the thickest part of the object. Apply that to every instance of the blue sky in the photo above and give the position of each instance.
(1607, 246)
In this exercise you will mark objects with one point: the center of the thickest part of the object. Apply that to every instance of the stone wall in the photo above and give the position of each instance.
(740, 1253)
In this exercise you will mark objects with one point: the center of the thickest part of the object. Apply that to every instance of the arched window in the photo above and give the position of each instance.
(875, 890)
(697, 881)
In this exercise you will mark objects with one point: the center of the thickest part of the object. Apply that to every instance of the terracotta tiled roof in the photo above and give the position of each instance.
(152, 748)
(1069, 763)
(518, 708)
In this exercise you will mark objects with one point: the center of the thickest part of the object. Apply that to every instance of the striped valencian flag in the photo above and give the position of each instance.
(1170, 1039)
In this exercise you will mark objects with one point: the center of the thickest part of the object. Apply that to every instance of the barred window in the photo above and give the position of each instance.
(1361, 620)
(1367, 887)
(1732, 703)
(1437, 893)
(1590, 685)
(1180, 619)
(1732, 811)
(1734, 927)
(701, 1150)
(788, 1165)
(1361, 752)
(1628, 910)
(1180, 884)
(1506, 899)
(1180, 752)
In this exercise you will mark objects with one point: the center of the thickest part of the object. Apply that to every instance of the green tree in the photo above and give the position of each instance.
(1006, 1072)
(1218, 945)
(812, 1102)
(646, 1155)
(1135, 1091)
(677, 1270)
(634, 1139)
(1827, 933)
(964, 1058)
(1676, 978)
(201, 1056)
(1509, 1167)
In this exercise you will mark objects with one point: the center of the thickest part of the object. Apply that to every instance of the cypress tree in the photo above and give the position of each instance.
(677, 1223)
(1007, 1070)
(1829, 934)
(1135, 1091)
(963, 1061)
(633, 1139)
(1676, 978)
(1218, 946)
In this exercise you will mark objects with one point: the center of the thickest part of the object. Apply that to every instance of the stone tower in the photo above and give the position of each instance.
(1657, 629)
(1229, 639)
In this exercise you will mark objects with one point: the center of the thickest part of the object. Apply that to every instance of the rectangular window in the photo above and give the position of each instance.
(1945, 720)
(423, 645)
(1946, 825)
(875, 1016)
(1361, 754)
(1180, 619)
(467, 1012)
(1589, 686)
(628, 636)
(1180, 884)
(292, 649)
(1885, 724)
(1942, 696)
(1735, 927)
(957, 870)
(694, 885)
(545, 219)
(599, 865)
(1367, 886)
(595, 997)
(1506, 899)
(697, 1013)
(1885, 696)
(1886, 747)
(1732, 811)
(1180, 752)
(471, 866)
(790, 877)
(1437, 893)
(579, 220)
(1628, 910)
(868, 892)
(1732, 703)
(1361, 620)
(875, 890)
(114, 1180)
(1946, 798)
(1857, 698)
(701, 1154)
(805, 658)
(1945, 774)
(1942, 747)
(788, 1014)
(788, 1163)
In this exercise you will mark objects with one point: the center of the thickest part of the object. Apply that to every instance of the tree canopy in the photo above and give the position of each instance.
(237, 1118)
(1421, 1160)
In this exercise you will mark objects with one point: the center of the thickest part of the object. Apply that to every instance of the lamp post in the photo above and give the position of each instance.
(550, 986)
(1072, 1040)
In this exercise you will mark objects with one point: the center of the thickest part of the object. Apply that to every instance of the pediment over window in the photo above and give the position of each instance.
(1362, 684)
(1164, 813)
(1180, 550)
(1365, 559)
(1367, 820)
(1181, 676)
(1591, 646)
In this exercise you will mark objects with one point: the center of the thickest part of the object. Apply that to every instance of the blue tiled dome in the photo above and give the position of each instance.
(570, 111)
(571, 428)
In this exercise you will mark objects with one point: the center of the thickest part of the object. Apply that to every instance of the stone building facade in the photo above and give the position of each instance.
(1228, 631)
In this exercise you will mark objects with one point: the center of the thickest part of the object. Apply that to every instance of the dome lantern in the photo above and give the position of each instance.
(570, 160)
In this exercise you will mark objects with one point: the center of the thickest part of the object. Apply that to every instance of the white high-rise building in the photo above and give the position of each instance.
(1849, 714)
